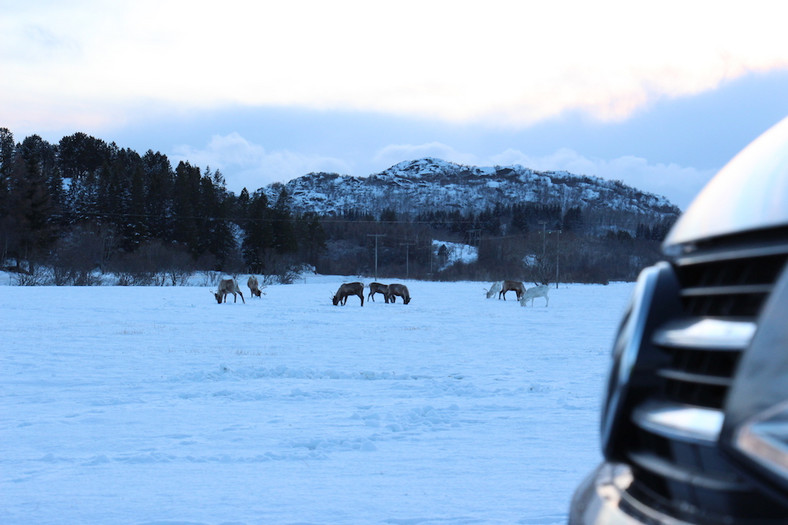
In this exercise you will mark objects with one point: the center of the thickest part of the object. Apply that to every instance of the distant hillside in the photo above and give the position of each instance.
(426, 185)
(76, 210)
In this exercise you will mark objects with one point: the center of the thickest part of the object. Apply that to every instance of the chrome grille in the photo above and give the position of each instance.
(672, 443)
(702, 354)
(734, 286)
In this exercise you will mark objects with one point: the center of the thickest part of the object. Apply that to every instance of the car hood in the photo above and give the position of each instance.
(749, 193)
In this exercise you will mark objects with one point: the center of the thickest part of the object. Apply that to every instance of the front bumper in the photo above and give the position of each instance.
(602, 500)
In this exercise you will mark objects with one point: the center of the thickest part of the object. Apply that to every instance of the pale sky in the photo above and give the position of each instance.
(659, 95)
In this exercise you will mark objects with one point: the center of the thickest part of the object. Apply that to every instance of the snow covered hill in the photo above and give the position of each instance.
(430, 184)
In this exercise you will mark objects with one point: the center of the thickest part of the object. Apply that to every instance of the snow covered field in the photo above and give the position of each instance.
(156, 405)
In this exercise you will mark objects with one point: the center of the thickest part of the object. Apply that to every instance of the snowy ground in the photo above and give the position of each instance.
(156, 405)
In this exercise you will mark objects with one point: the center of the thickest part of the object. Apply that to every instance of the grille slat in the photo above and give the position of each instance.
(702, 356)
(733, 290)
(666, 470)
(703, 334)
(698, 379)
(679, 422)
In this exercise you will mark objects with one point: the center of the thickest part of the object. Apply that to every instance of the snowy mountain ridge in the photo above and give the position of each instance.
(431, 184)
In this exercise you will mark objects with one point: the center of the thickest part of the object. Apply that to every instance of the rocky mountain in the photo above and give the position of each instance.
(430, 184)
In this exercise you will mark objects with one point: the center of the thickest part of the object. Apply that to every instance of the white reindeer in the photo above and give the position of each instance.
(228, 286)
(494, 289)
(533, 293)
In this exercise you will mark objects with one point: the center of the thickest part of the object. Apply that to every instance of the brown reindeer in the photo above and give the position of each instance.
(348, 289)
(512, 286)
(397, 290)
(254, 287)
(228, 286)
(378, 288)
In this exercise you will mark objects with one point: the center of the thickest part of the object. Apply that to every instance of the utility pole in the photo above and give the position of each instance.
(376, 235)
(557, 251)
(429, 250)
(544, 237)
(407, 245)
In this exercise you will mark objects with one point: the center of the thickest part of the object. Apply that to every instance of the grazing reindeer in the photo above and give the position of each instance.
(228, 286)
(397, 290)
(254, 287)
(512, 286)
(533, 293)
(348, 289)
(378, 288)
(494, 289)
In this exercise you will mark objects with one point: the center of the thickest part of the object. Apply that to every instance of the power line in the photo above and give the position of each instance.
(321, 218)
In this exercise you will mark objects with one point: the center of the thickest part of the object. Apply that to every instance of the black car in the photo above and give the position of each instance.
(695, 420)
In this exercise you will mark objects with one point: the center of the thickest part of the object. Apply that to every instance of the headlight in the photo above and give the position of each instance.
(756, 414)
(764, 439)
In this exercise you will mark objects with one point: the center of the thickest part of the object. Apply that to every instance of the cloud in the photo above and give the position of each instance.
(248, 165)
(509, 63)
(680, 184)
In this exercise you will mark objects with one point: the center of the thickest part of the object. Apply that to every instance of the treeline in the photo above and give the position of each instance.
(528, 241)
(83, 207)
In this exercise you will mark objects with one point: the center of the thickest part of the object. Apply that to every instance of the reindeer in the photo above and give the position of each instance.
(512, 286)
(348, 289)
(532, 293)
(378, 288)
(397, 290)
(254, 287)
(228, 286)
(494, 289)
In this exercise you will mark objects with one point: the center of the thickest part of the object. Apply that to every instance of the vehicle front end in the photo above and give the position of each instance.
(695, 419)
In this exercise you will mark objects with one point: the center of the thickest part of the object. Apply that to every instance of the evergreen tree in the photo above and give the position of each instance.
(520, 218)
(388, 215)
(7, 149)
(80, 155)
(243, 204)
(186, 199)
(284, 232)
(6, 155)
(258, 233)
(32, 226)
(134, 229)
(158, 182)
(573, 219)
(215, 235)
(312, 238)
